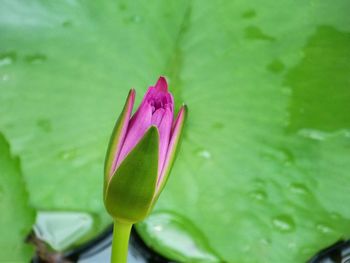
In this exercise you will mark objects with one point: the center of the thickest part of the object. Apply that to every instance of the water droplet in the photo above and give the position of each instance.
(44, 125)
(173, 234)
(7, 58)
(283, 223)
(158, 228)
(299, 188)
(255, 33)
(322, 135)
(218, 125)
(347, 133)
(280, 154)
(265, 241)
(313, 134)
(258, 183)
(5, 77)
(68, 154)
(323, 228)
(288, 156)
(335, 216)
(204, 154)
(258, 195)
(249, 14)
(35, 58)
(136, 19)
(5, 61)
(62, 229)
(67, 23)
(291, 245)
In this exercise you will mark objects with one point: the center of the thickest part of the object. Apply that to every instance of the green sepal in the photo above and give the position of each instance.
(115, 139)
(130, 191)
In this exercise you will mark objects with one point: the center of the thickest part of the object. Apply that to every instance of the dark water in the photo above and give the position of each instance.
(99, 250)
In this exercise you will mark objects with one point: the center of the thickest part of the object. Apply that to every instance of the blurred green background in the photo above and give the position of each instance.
(264, 170)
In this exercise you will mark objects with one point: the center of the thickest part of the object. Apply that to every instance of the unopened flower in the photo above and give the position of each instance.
(141, 152)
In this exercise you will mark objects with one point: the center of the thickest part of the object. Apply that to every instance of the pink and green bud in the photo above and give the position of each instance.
(141, 152)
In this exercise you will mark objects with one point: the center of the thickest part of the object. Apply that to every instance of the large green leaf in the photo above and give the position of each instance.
(264, 166)
(17, 217)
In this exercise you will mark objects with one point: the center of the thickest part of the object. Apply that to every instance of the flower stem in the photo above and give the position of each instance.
(121, 234)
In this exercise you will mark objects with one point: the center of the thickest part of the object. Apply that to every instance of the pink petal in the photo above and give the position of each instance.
(138, 125)
(171, 150)
(161, 85)
(157, 117)
(169, 101)
(164, 136)
(156, 109)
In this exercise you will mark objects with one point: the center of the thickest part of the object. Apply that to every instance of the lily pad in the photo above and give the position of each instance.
(264, 168)
(17, 217)
(176, 237)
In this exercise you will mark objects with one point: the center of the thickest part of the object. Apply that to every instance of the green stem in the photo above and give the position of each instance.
(121, 234)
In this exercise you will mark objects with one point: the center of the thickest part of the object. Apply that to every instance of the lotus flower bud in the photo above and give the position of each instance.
(141, 152)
